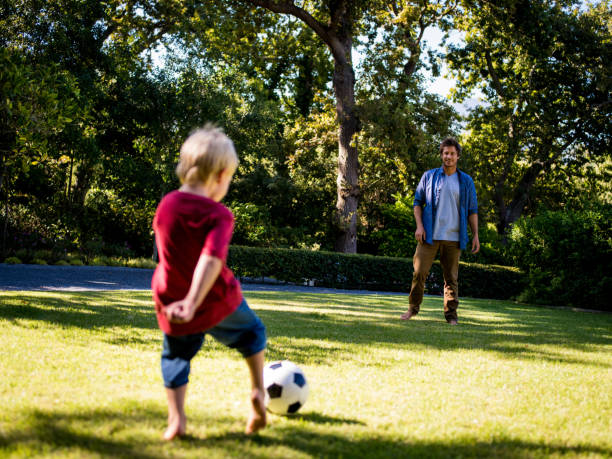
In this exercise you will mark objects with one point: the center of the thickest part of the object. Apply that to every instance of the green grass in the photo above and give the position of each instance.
(80, 378)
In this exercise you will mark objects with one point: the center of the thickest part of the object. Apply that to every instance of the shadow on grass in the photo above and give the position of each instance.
(318, 418)
(83, 309)
(521, 332)
(516, 331)
(109, 433)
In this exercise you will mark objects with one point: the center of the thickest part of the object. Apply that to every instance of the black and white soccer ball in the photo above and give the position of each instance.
(286, 387)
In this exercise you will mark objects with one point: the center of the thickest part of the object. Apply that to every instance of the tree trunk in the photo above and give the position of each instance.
(348, 162)
(511, 212)
(337, 35)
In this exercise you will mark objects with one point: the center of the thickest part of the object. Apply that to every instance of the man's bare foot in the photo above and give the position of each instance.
(257, 418)
(453, 322)
(176, 428)
(407, 315)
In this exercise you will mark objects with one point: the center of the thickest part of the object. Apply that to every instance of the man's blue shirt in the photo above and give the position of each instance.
(427, 196)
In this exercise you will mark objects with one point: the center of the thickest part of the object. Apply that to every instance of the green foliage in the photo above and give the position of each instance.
(143, 263)
(543, 70)
(492, 250)
(328, 269)
(567, 256)
(395, 236)
(91, 127)
(12, 261)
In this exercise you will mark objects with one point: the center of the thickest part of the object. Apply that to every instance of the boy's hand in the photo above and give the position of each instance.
(180, 311)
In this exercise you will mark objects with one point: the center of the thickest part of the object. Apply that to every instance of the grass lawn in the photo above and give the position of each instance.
(80, 378)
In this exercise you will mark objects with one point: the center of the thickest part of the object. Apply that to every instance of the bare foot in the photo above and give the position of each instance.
(407, 315)
(176, 428)
(257, 418)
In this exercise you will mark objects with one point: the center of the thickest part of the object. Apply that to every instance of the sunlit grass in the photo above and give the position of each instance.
(80, 378)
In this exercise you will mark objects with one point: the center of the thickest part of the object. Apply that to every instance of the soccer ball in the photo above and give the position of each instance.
(286, 387)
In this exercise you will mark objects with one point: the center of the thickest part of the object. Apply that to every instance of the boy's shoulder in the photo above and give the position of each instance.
(187, 204)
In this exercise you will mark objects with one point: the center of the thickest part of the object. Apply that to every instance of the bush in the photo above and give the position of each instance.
(44, 255)
(39, 261)
(100, 260)
(141, 263)
(75, 262)
(337, 270)
(567, 256)
(13, 261)
(396, 237)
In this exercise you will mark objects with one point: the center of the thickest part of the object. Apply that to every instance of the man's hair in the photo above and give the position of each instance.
(450, 142)
(207, 151)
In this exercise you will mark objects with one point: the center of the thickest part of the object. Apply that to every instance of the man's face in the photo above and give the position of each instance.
(450, 156)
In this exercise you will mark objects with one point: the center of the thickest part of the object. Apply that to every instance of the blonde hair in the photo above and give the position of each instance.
(207, 151)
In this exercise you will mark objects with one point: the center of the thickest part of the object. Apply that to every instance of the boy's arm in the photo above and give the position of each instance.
(206, 272)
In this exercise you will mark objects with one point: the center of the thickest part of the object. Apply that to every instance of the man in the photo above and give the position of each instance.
(444, 202)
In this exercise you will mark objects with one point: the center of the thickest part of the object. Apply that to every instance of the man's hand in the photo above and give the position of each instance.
(419, 234)
(475, 244)
(180, 311)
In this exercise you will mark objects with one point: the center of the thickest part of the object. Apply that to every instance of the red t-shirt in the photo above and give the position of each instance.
(186, 226)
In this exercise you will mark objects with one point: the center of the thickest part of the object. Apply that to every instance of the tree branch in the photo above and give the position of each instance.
(324, 32)
(288, 7)
(337, 15)
(496, 82)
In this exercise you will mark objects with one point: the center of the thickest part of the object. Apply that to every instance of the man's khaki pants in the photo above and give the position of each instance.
(449, 259)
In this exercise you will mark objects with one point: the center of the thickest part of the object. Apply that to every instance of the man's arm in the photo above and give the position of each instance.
(473, 221)
(419, 234)
(205, 274)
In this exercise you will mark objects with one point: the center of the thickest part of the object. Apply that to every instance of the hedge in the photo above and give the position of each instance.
(367, 272)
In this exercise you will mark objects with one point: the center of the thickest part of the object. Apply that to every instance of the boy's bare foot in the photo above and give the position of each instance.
(257, 418)
(176, 428)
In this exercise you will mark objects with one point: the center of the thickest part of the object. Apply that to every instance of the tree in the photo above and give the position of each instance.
(338, 24)
(544, 70)
(36, 103)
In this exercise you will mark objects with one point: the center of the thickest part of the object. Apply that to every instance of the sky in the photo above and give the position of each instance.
(444, 83)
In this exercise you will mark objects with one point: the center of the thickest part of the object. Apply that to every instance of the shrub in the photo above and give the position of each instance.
(62, 263)
(23, 254)
(337, 270)
(396, 237)
(12, 261)
(116, 261)
(100, 261)
(75, 262)
(141, 263)
(567, 256)
(42, 255)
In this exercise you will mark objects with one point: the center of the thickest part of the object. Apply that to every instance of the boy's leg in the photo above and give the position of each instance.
(257, 418)
(423, 259)
(177, 420)
(449, 259)
(244, 331)
(175, 364)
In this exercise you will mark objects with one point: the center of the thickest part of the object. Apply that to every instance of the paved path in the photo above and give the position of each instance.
(83, 278)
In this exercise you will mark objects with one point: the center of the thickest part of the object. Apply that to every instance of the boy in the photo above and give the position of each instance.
(194, 291)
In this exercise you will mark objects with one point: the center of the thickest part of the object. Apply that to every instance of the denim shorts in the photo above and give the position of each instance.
(241, 330)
